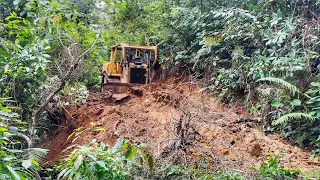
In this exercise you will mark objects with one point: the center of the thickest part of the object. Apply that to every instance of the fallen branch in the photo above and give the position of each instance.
(65, 78)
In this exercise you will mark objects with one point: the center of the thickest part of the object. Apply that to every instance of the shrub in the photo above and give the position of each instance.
(99, 161)
(274, 170)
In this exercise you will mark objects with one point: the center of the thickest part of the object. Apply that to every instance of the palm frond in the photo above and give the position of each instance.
(38, 157)
(290, 116)
(37, 154)
(292, 88)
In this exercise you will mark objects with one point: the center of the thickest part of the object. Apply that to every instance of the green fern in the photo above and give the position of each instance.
(289, 116)
(292, 88)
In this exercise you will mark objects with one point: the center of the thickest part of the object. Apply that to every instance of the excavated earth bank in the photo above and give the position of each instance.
(176, 122)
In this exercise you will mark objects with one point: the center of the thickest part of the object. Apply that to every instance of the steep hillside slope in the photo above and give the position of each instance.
(177, 123)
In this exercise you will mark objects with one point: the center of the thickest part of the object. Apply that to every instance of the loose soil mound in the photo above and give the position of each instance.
(176, 124)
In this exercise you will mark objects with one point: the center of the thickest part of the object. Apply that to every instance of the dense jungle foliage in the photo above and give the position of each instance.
(264, 54)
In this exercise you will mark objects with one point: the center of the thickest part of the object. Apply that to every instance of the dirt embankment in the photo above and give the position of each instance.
(176, 124)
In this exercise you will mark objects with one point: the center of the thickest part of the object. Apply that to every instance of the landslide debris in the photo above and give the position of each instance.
(175, 121)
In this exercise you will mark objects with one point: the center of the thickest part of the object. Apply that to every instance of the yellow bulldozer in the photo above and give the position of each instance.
(128, 66)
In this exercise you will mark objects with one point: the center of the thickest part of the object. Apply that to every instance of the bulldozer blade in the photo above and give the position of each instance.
(117, 87)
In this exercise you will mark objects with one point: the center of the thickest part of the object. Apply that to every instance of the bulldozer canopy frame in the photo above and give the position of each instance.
(125, 47)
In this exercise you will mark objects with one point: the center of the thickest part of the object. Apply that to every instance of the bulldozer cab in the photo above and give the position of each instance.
(130, 65)
(137, 55)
